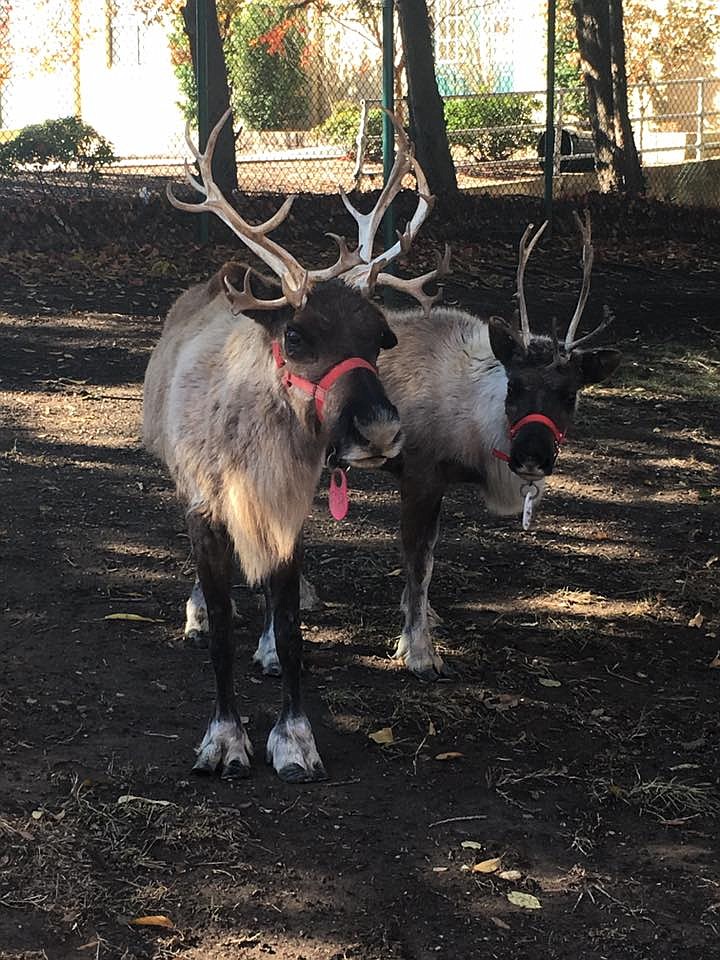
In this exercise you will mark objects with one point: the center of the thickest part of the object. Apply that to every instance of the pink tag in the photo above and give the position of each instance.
(338, 494)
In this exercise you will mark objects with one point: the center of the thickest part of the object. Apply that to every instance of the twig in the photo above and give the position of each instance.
(477, 816)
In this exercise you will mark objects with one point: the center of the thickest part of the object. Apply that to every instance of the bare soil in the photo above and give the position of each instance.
(579, 746)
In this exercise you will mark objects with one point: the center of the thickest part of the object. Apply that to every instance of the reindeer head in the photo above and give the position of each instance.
(544, 376)
(324, 333)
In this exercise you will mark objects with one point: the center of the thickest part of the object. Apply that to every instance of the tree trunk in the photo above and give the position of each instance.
(601, 42)
(627, 155)
(427, 119)
(224, 164)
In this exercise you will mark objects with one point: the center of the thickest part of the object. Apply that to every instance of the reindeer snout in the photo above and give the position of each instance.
(533, 453)
(382, 436)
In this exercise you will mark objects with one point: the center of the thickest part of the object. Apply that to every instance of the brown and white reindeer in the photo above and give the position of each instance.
(242, 398)
(480, 401)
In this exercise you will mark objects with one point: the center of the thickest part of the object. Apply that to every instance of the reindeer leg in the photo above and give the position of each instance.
(291, 745)
(226, 745)
(419, 527)
(266, 653)
(197, 626)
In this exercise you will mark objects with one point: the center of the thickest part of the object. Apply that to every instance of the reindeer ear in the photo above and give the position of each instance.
(502, 342)
(597, 365)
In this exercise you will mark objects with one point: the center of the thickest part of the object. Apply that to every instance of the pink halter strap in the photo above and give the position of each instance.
(319, 391)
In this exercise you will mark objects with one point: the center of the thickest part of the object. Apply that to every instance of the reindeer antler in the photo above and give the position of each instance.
(588, 255)
(293, 277)
(357, 268)
(527, 245)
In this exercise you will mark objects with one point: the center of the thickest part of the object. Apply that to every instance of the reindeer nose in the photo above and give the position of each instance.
(383, 435)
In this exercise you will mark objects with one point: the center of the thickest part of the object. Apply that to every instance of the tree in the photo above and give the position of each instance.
(427, 121)
(601, 42)
(218, 93)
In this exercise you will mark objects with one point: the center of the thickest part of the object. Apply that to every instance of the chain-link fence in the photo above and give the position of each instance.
(94, 94)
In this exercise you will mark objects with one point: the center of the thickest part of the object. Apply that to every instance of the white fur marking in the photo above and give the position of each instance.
(266, 653)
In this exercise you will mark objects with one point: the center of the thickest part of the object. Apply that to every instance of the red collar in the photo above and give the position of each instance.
(319, 391)
(533, 418)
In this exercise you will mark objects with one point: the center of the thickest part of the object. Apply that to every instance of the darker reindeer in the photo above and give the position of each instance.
(484, 402)
(481, 401)
(242, 398)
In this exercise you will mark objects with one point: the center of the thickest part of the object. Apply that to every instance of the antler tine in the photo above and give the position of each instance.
(588, 255)
(525, 251)
(293, 277)
(415, 286)
(246, 299)
(368, 223)
(608, 316)
(346, 260)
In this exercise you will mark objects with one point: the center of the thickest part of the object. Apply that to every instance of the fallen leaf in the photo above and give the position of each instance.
(440, 869)
(712, 561)
(155, 920)
(525, 900)
(715, 662)
(471, 845)
(487, 866)
(136, 617)
(697, 621)
(37, 814)
(500, 923)
(510, 875)
(384, 735)
(450, 755)
(546, 682)
(431, 729)
(395, 573)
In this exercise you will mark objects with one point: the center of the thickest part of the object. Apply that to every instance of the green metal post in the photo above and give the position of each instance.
(550, 114)
(388, 101)
(201, 80)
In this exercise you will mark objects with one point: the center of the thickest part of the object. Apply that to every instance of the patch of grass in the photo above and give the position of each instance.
(662, 798)
(671, 371)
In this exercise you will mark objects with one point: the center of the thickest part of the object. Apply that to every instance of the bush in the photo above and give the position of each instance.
(265, 50)
(343, 124)
(68, 143)
(478, 124)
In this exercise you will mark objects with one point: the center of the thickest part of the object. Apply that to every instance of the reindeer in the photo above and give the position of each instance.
(242, 398)
(481, 401)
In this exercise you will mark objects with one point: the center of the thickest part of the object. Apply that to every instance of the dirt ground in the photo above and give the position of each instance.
(579, 746)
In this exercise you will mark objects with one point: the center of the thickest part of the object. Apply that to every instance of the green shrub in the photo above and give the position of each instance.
(343, 124)
(477, 123)
(265, 50)
(67, 143)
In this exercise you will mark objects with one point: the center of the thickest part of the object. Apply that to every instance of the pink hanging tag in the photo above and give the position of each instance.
(338, 494)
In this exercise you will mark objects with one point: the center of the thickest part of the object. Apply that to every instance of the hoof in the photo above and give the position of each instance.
(292, 752)
(226, 749)
(197, 639)
(435, 673)
(294, 773)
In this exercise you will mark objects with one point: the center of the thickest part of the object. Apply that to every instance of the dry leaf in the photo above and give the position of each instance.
(487, 866)
(697, 621)
(155, 920)
(715, 662)
(500, 923)
(525, 900)
(440, 869)
(384, 735)
(431, 729)
(510, 875)
(395, 573)
(136, 617)
(546, 682)
(450, 755)
(501, 701)
(471, 845)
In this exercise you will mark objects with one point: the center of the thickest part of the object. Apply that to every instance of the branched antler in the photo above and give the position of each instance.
(588, 255)
(527, 246)
(415, 286)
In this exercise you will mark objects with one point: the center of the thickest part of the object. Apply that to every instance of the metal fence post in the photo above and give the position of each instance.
(388, 101)
(550, 112)
(201, 81)
(700, 126)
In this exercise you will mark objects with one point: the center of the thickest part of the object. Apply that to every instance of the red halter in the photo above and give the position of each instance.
(533, 418)
(319, 391)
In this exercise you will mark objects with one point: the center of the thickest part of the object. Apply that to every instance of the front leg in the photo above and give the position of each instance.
(419, 527)
(291, 745)
(226, 746)
(266, 653)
